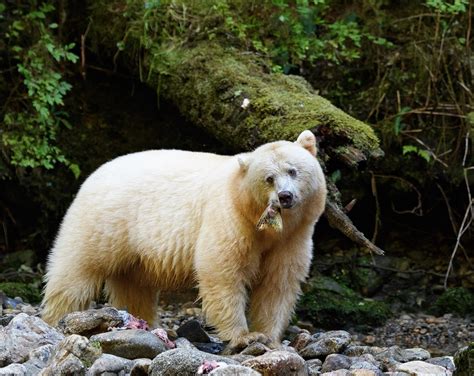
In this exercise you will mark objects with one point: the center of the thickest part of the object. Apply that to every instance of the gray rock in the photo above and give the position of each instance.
(419, 368)
(183, 343)
(233, 370)
(140, 367)
(396, 374)
(390, 358)
(415, 354)
(130, 344)
(355, 350)
(333, 362)
(443, 361)
(110, 363)
(255, 349)
(23, 334)
(91, 322)
(38, 359)
(67, 365)
(278, 363)
(301, 341)
(365, 365)
(182, 362)
(13, 369)
(72, 356)
(240, 358)
(339, 372)
(364, 372)
(326, 343)
(314, 366)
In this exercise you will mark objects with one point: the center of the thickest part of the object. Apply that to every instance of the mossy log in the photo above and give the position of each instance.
(232, 94)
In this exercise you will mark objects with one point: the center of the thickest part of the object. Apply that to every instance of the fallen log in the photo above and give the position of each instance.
(230, 93)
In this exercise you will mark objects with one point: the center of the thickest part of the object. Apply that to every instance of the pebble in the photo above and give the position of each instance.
(110, 363)
(419, 368)
(438, 335)
(233, 370)
(182, 362)
(91, 322)
(278, 363)
(323, 344)
(331, 353)
(130, 344)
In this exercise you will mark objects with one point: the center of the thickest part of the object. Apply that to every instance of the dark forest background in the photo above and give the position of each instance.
(75, 92)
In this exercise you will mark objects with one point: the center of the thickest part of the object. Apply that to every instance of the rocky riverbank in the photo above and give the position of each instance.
(107, 341)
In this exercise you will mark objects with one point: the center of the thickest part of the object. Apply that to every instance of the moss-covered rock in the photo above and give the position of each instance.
(458, 300)
(366, 280)
(330, 305)
(464, 361)
(29, 292)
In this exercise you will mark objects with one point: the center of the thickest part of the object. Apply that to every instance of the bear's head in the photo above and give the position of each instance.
(283, 175)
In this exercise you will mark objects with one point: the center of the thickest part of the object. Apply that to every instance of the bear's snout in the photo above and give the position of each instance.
(286, 199)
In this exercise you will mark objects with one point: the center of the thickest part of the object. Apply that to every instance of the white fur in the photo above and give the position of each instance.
(159, 220)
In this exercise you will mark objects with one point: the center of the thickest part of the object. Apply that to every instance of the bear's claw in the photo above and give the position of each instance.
(241, 342)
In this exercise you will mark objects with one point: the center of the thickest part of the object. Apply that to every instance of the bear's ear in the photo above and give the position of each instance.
(307, 140)
(243, 162)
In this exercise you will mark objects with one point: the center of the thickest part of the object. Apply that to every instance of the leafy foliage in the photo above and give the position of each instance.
(31, 114)
(291, 33)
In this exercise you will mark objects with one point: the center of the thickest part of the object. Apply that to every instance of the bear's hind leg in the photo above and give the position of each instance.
(138, 300)
(68, 292)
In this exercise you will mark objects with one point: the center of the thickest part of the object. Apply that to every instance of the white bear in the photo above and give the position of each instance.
(164, 219)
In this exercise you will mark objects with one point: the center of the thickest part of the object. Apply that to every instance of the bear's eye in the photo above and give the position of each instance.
(292, 172)
(269, 179)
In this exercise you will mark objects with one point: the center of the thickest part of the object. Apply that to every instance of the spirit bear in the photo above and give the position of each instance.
(164, 219)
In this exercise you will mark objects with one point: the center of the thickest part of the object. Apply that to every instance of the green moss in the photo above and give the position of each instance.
(365, 279)
(29, 292)
(208, 84)
(464, 361)
(457, 300)
(331, 305)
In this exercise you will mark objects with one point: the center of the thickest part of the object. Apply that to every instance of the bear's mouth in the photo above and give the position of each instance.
(271, 218)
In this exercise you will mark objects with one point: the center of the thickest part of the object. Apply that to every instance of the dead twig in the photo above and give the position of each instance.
(468, 214)
(83, 50)
(418, 209)
(339, 220)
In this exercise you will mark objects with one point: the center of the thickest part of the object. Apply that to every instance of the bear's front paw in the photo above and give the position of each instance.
(241, 342)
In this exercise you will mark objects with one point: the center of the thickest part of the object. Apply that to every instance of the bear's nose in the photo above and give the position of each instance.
(286, 199)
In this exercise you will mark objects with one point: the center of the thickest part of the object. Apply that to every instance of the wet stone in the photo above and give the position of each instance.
(326, 343)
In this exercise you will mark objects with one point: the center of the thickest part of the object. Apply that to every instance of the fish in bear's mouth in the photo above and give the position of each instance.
(271, 218)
